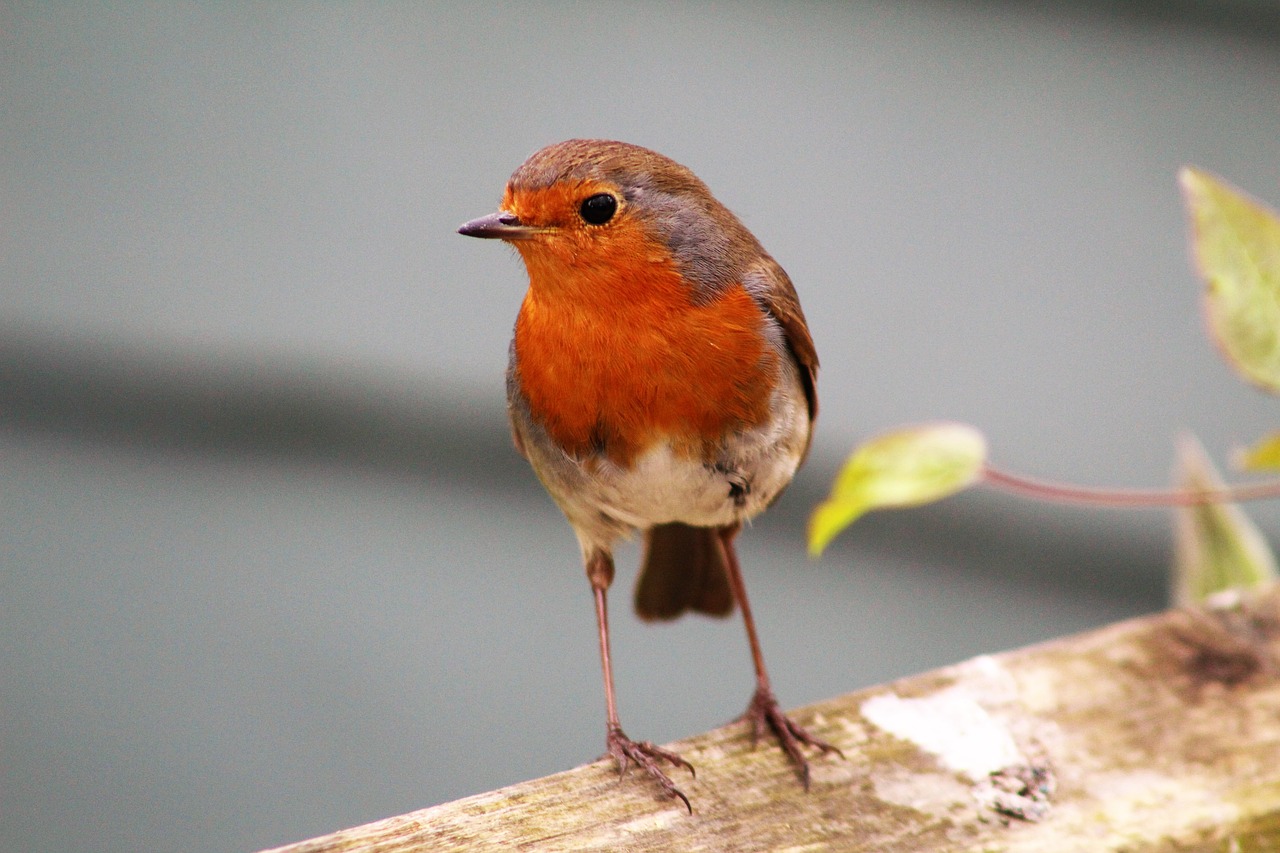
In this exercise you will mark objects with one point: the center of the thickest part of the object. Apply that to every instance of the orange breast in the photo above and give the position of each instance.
(615, 355)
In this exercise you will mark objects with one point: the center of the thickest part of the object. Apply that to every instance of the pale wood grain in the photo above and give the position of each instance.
(1161, 733)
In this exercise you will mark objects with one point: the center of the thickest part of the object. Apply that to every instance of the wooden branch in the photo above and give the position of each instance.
(1161, 733)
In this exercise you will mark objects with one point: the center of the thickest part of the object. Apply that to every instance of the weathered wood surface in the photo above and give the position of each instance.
(1158, 734)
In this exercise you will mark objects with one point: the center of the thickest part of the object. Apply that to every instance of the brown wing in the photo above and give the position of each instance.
(769, 284)
(518, 442)
(516, 404)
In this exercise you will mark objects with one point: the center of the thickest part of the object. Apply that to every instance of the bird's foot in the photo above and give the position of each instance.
(648, 758)
(764, 713)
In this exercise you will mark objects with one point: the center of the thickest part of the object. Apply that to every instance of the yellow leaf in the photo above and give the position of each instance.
(1264, 455)
(1216, 546)
(905, 467)
(1236, 242)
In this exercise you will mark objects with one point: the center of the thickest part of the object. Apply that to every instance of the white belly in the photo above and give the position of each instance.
(663, 486)
(605, 502)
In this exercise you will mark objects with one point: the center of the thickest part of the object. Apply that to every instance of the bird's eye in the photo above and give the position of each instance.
(598, 209)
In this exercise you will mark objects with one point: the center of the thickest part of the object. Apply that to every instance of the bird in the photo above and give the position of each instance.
(661, 379)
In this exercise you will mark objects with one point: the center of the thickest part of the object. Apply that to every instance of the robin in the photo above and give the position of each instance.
(661, 379)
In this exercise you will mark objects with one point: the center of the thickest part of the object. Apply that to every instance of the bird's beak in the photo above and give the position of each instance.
(501, 225)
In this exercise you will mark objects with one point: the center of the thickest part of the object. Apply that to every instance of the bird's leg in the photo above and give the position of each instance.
(764, 712)
(624, 750)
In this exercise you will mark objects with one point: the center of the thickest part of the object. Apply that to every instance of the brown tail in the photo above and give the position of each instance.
(683, 569)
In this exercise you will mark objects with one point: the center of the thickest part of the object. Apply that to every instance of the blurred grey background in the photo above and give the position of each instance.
(269, 564)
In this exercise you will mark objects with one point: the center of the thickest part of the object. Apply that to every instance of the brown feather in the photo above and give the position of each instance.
(682, 569)
(778, 296)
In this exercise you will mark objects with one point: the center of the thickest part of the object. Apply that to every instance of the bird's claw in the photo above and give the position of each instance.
(764, 712)
(648, 758)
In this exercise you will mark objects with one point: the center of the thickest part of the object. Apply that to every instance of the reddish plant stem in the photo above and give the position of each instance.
(1046, 490)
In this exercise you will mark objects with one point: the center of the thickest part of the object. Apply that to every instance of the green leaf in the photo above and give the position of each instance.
(1216, 546)
(1236, 242)
(906, 467)
(1264, 455)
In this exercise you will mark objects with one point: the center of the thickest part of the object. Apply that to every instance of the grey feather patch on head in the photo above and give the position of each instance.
(706, 239)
